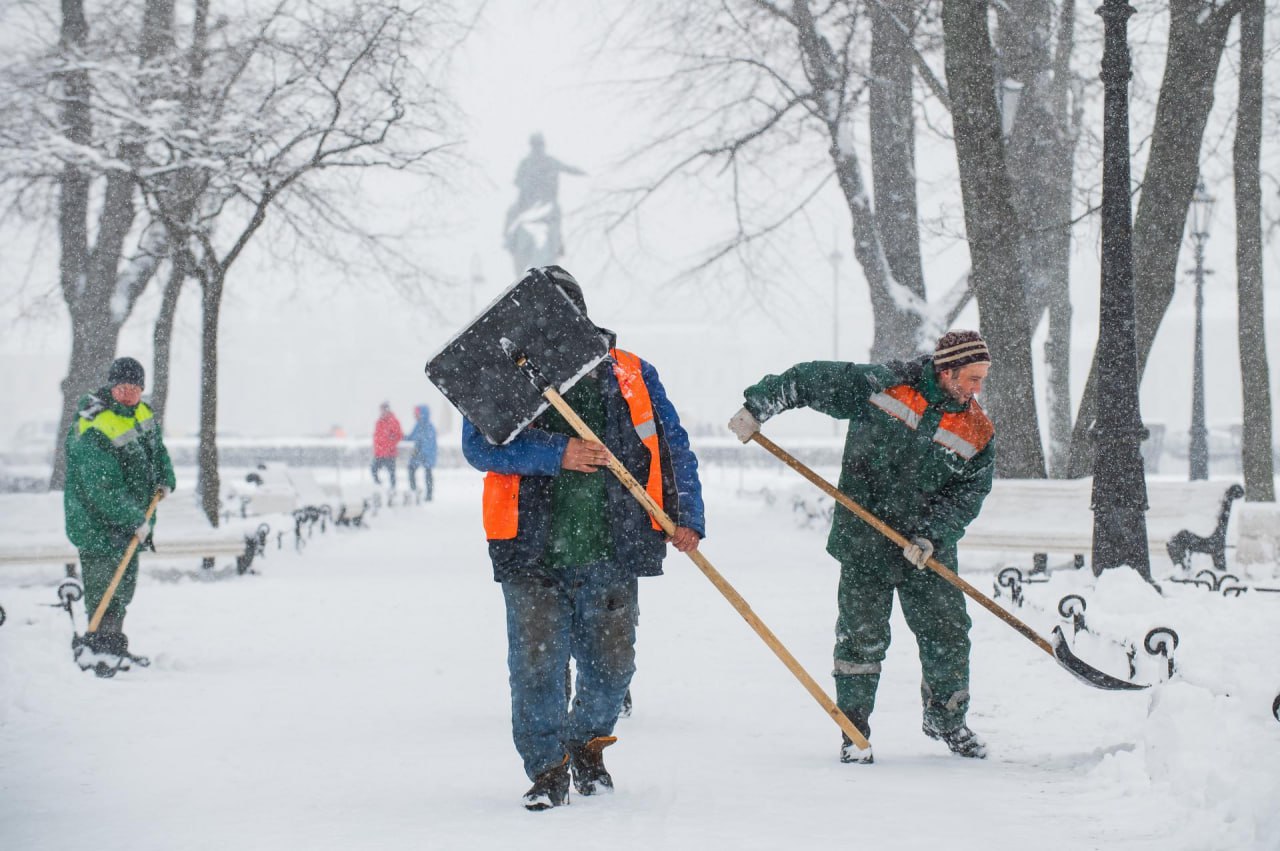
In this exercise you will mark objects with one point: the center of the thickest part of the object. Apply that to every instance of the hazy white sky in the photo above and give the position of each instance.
(304, 350)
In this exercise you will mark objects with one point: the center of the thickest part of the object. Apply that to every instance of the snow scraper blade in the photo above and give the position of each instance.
(533, 317)
(1080, 669)
(1085, 672)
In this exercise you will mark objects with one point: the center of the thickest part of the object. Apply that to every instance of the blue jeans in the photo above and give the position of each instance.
(427, 485)
(388, 464)
(587, 612)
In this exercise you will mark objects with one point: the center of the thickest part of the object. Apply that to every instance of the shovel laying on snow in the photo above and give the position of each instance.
(1057, 648)
(514, 361)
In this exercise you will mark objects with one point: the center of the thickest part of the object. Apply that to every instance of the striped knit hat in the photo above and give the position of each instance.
(960, 348)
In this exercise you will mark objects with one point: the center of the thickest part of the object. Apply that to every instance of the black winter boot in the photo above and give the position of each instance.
(589, 774)
(550, 789)
(115, 643)
(111, 639)
(849, 752)
(103, 643)
(104, 653)
(961, 740)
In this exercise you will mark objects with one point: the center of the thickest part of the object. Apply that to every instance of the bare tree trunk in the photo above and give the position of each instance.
(893, 172)
(99, 293)
(1027, 90)
(73, 226)
(1197, 37)
(162, 335)
(209, 482)
(177, 212)
(1066, 110)
(1257, 455)
(992, 229)
(95, 276)
(891, 302)
(1040, 156)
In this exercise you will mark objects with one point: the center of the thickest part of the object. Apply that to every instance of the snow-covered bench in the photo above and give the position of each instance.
(1258, 538)
(32, 533)
(1047, 516)
(295, 492)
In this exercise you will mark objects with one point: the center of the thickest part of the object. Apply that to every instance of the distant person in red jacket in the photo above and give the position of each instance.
(387, 435)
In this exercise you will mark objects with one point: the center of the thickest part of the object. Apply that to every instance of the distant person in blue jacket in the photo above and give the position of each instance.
(567, 542)
(423, 438)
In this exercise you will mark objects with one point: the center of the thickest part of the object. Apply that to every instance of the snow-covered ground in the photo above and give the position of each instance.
(355, 696)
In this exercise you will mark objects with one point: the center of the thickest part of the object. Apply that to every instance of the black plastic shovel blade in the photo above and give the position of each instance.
(532, 317)
(1085, 672)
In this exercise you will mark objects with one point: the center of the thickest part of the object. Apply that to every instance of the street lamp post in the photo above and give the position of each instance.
(1201, 209)
(1119, 487)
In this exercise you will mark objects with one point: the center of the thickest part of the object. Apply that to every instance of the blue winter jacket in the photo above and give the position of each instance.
(423, 437)
(535, 455)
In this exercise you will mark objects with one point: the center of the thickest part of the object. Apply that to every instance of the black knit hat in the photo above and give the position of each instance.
(126, 371)
(568, 285)
(960, 348)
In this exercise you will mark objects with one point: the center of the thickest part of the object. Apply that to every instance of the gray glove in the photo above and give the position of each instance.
(743, 425)
(918, 552)
(164, 491)
(142, 532)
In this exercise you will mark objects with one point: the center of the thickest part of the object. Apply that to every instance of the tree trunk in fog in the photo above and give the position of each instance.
(1067, 110)
(1257, 455)
(992, 229)
(73, 232)
(889, 298)
(99, 291)
(893, 173)
(1197, 36)
(177, 203)
(1040, 157)
(212, 273)
(162, 336)
(209, 484)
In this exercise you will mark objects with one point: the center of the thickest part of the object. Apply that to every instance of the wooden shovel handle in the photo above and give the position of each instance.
(124, 562)
(893, 535)
(735, 599)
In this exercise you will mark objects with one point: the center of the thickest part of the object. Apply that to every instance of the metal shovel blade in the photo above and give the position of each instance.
(1085, 672)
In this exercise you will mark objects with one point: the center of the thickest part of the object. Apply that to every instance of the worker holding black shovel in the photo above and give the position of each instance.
(567, 540)
(919, 456)
(117, 471)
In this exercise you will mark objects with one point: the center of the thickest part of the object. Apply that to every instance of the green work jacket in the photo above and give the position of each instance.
(116, 460)
(913, 456)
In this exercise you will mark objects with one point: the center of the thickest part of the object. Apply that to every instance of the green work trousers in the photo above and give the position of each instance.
(97, 569)
(934, 610)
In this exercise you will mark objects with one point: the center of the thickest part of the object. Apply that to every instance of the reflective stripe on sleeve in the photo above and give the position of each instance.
(895, 408)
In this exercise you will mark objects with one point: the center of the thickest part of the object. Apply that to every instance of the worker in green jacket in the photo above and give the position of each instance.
(919, 454)
(116, 462)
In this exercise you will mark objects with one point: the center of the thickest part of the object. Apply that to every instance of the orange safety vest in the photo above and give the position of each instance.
(502, 490)
(965, 433)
